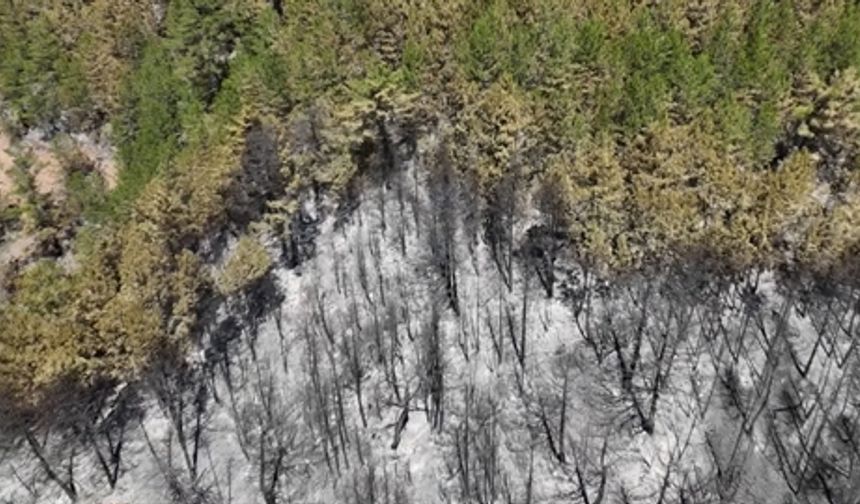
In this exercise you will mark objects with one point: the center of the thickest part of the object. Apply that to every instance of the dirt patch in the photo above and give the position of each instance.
(102, 156)
(48, 171)
(7, 184)
(49, 178)
(16, 248)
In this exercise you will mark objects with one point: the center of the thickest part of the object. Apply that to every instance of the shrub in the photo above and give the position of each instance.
(248, 263)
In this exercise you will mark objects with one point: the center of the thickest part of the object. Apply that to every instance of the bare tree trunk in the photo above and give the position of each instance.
(66, 482)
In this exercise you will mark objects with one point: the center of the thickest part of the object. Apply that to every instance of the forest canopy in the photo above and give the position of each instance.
(650, 130)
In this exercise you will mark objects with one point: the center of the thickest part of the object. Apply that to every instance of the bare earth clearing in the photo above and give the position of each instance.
(48, 170)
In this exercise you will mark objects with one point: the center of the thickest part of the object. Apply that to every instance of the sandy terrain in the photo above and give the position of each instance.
(18, 248)
(48, 179)
(6, 183)
(102, 157)
(48, 171)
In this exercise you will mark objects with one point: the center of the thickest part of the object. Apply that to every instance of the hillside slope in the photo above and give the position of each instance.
(446, 251)
(357, 375)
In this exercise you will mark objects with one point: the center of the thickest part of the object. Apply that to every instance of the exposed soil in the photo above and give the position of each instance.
(6, 182)
(49, 173)
(101, 156)
(18, 247)
(48, 170)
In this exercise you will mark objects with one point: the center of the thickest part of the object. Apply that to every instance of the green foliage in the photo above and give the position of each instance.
(589, 40)
(696, 81)
(657, 124)
(32, 206)
(653, 62)
(10, 216)
(486, 44)
(39, 77)
(86, 195)
(43, 288)
(832, 41)
(762, 57)
(843, 47)
(148, 130)
(248, 263)
(201, 35)
(413, 62)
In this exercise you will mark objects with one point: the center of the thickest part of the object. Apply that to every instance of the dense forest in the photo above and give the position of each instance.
(409, 251)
